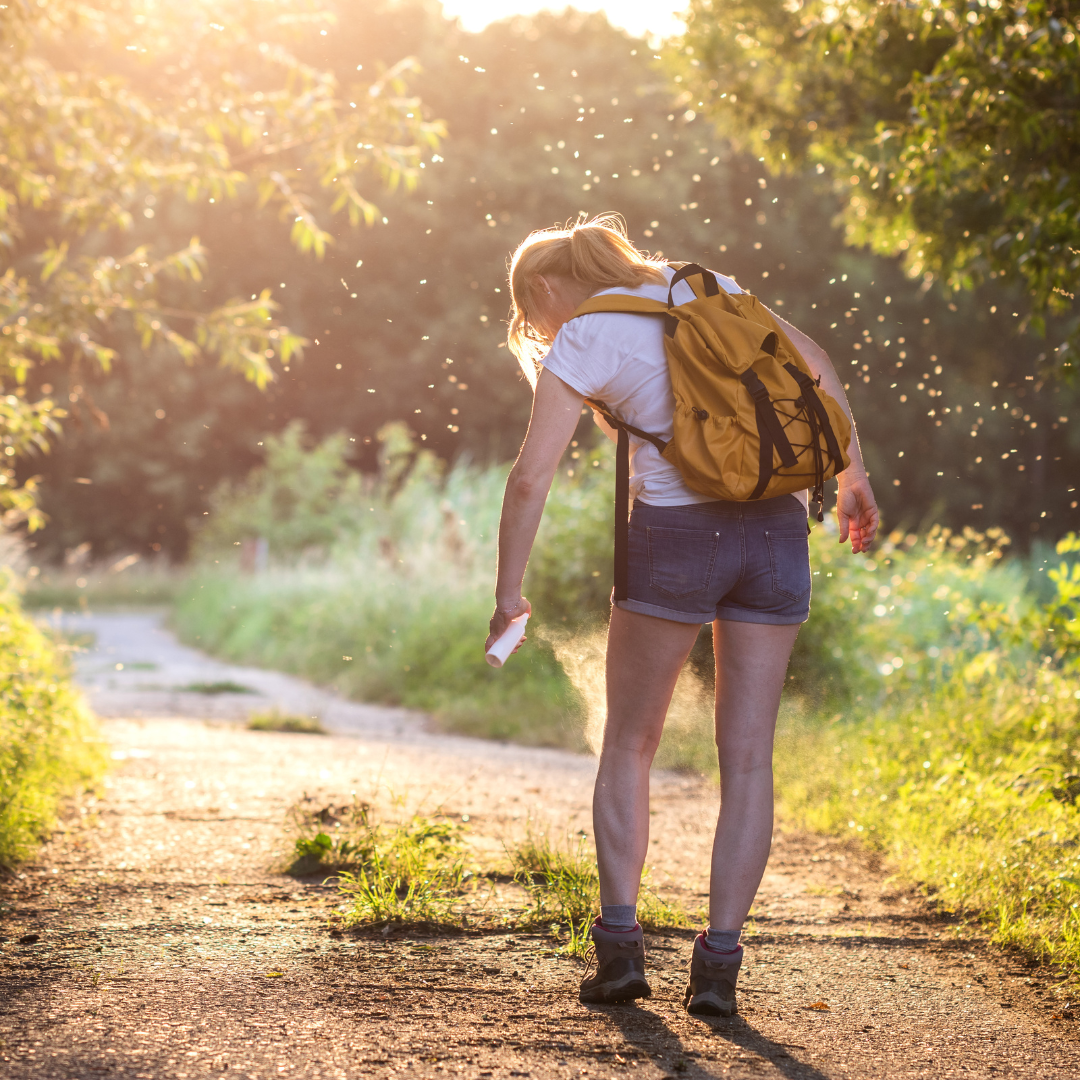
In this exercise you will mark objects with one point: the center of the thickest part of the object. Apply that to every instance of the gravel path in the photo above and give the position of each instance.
(157, 942)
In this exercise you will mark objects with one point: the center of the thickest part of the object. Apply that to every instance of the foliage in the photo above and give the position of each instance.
(113, 113)
(301, 498)
(950, 129)
(397, 611)
(49, 746)
(965, 769)
(275, 720)
(565, 890)
(921, 367)
(411, 871)
(970, 789)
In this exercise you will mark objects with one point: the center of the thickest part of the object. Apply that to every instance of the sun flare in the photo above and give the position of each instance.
(636, 16)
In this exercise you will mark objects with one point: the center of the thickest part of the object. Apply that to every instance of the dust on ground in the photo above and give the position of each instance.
(153, 939)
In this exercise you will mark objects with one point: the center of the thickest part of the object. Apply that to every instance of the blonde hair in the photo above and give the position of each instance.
(593, 251)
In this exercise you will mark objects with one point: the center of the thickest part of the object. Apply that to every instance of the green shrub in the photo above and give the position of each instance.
(887, 623)
(967, 776)
(49, 746)
(397, 613)
(303, 497)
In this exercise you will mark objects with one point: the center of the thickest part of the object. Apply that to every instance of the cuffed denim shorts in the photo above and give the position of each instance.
(740, 561)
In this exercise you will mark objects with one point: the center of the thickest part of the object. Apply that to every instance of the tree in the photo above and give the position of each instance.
(951, 419)
(112, 109)
(951, 128)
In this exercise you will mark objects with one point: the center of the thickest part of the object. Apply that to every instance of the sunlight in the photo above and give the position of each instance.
(636, 16)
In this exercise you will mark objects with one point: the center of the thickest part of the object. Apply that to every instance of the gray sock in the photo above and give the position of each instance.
(722, 940)
(618, 916)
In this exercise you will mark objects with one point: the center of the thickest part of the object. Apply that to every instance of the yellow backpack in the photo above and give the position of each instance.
(750, 420)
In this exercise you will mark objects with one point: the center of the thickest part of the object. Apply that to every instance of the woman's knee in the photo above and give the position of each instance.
(744, 762)
(638, 742)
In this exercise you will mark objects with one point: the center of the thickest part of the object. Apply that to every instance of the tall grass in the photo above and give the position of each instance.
(965, 769)
(49, 746)
(396, 610)
(117, 583)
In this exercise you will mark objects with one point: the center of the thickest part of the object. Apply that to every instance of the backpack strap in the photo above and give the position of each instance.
(712, 286)
(621, 302)
(771, 432)
(820, 424)
(622, 490)
(622, 516)
(809, 389)
(618, 424)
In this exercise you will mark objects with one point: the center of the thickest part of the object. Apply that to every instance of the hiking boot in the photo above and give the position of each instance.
(710, 992)
(620, 967)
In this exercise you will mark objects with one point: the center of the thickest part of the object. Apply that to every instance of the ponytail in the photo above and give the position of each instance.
(594, 252)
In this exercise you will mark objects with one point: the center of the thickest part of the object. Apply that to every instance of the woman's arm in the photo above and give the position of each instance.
(555, 414)
(856, 507)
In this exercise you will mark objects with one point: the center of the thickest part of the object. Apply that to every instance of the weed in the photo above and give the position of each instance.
(565, 890)
(227, 686)
(561, 882)
(279, 721)
(416, 871)
(329, 838)
(412, 871)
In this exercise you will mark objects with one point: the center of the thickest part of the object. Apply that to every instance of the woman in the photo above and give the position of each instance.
(744, 567)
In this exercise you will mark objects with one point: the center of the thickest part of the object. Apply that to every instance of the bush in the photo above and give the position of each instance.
(396, 609)
(966, 771)
(49, 746)
(304, 497)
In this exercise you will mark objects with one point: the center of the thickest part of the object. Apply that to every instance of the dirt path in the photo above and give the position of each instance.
(163, 947)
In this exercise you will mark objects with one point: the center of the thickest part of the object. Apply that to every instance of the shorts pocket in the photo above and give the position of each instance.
(681, 560)
(789, 557)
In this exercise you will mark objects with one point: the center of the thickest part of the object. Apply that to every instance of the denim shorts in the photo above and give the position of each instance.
(740, 561)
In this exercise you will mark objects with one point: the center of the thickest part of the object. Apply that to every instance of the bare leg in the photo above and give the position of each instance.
(644, 658)
(751, 663)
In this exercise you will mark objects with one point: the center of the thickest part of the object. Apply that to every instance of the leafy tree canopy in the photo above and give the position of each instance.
(951, 128)
(958, 425)
(111, 108)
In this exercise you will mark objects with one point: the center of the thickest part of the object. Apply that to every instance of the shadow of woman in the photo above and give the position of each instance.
(647, 1030)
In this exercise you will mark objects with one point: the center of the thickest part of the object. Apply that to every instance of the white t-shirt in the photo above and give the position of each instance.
(619, 358)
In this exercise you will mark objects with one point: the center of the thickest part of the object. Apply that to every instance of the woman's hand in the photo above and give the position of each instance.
(856, 510)
(501, 620)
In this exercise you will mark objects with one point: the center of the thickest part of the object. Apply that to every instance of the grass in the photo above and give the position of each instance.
(970, 790)
(279, 721)
(49, 744)
(74, 588)
(410, 872)
(419, 872)
(565, 890)
(225, 687)
(965, 771)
